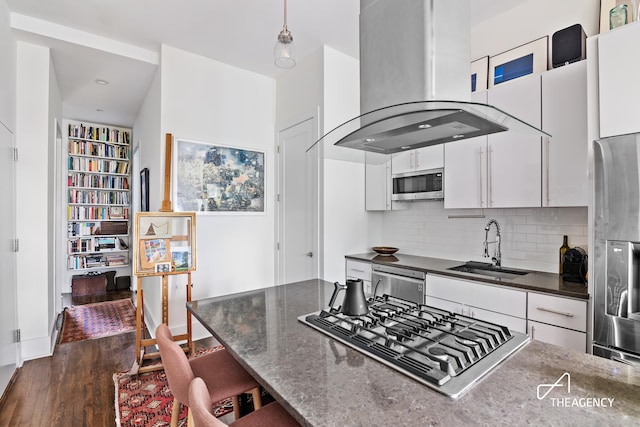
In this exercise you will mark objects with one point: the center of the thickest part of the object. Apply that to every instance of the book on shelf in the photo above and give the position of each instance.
(99, 133)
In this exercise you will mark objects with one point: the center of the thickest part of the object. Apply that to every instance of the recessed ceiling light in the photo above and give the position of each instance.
(369, 139)
(424, 126)
(102, 82)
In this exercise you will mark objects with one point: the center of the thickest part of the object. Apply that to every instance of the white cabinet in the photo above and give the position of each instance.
(424, 158)
(494, 304)
(501, 170)
(377, 178)
(619, 68)
(557, 320)
(514, 159)
(564, 117)
(359, 270)
(378, 184)
(465, 169)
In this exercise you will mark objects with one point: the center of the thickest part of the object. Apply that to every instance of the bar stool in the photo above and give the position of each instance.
(271, 414)
(223, 376)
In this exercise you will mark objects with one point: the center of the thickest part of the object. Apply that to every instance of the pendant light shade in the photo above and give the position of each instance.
(284, 54)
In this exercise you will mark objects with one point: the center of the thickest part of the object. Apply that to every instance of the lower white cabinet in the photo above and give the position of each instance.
(557, 320)
(359, 270)
(507, 307)
(555, 335)
(513, 323)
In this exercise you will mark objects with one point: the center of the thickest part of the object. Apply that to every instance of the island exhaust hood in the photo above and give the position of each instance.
(415, 81)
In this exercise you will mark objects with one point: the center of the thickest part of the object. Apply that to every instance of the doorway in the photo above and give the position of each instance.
(299, 256)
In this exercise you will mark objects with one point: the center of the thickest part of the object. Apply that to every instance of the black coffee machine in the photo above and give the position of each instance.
(574, 268)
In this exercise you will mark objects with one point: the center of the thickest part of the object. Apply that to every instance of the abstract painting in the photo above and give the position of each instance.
(211, 178)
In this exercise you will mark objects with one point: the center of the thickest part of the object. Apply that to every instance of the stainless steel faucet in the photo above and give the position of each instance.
(497, 255)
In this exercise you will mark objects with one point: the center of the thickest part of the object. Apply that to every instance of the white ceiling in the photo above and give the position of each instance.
(119, 40)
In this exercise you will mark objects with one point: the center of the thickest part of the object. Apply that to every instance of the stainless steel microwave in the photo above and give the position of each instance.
(418, 185)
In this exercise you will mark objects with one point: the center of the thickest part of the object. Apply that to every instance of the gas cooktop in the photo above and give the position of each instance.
(445, 351)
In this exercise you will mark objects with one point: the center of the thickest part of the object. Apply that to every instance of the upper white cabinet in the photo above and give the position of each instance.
(419, 159)
(377, 175)
(564, 117)
(619, 93)
(465, 169)
(502, 170)
(514, 159)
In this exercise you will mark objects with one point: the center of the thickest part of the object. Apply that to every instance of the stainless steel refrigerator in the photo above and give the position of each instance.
(616, 328)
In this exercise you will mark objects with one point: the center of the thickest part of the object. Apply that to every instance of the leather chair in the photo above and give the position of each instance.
(270, 415)
(223, 376)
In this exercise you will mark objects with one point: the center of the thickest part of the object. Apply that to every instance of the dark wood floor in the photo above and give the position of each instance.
(74, 387)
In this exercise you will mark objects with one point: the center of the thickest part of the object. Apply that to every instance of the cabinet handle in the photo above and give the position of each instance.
(481, 199)
(355, 269)
(411, 160)
(548, 141)
(533, 332)
(548, 310)
(490, 172)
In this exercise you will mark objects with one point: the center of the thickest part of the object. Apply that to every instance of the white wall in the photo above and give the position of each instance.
(7, 70)
(299, 92)
(38, 101)
(346, 223)
(208, 101)
(54, 218)
(146, 134)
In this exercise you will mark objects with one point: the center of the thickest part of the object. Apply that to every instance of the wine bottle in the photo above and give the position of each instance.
(563, 249)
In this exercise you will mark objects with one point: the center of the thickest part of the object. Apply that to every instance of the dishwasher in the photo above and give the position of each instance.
(399, 282)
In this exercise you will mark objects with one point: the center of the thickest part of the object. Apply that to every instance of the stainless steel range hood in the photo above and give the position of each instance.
(415, 81)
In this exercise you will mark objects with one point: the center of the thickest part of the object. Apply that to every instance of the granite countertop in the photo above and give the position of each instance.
(324, 383)
(536, 281)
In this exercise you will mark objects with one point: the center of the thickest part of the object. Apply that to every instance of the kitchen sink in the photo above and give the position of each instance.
(488, 269)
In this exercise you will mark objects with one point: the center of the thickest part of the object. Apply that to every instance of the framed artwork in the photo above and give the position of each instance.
(530, 58)
(479, 74)
(165, 243)
(144, 190)
(212, 178)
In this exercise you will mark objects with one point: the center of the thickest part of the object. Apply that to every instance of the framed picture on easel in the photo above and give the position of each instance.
(165, 243)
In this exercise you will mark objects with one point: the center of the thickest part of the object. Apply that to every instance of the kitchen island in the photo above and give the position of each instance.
(324, 383)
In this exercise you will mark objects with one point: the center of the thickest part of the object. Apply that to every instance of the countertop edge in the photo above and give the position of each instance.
(375, 258)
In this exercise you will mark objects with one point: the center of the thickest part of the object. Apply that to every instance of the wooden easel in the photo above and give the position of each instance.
(142, 344)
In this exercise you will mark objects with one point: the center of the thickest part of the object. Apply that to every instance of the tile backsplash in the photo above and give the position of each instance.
(530, 237)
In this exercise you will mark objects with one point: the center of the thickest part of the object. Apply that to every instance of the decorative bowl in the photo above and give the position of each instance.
(385, 250)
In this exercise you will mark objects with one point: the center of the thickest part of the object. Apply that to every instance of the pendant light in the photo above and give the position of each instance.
(284, 54)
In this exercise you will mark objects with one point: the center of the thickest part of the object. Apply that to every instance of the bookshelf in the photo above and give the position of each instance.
(98, 197)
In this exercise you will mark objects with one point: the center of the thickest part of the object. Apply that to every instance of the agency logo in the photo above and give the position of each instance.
(543, 390)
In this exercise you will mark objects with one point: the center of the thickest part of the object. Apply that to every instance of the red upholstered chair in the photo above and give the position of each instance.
(270, 415)
(223, 376)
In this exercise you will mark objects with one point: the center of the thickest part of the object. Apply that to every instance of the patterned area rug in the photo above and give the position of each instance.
(145, 399)
(98, 320)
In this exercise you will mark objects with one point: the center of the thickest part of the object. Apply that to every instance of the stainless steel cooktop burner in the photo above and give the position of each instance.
(445, 351)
